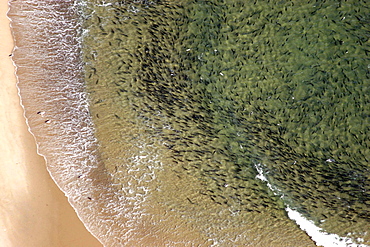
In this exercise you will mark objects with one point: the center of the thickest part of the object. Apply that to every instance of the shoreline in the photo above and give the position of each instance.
(33, 211)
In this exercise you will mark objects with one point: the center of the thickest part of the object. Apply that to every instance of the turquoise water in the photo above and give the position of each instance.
(213, 118)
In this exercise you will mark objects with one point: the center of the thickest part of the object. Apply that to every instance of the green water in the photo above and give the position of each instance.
(188, 97)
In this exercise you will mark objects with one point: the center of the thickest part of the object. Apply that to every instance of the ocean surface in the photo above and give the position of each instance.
(203, 123)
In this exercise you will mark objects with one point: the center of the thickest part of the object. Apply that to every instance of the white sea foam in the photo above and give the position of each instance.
(317, 234)
(46, 56)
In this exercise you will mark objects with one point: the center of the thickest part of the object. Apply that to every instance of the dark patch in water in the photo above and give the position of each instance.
(228, 85)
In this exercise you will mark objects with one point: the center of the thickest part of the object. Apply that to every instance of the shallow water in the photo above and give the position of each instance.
(189, 103)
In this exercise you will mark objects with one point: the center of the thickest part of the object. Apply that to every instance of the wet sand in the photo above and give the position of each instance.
(33, 211)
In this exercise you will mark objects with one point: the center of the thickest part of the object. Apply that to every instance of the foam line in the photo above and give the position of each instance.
(318, 235)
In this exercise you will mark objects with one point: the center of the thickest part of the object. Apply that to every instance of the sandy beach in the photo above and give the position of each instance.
(33, 211)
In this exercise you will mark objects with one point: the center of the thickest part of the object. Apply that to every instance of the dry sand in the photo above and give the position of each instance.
(33, 211)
